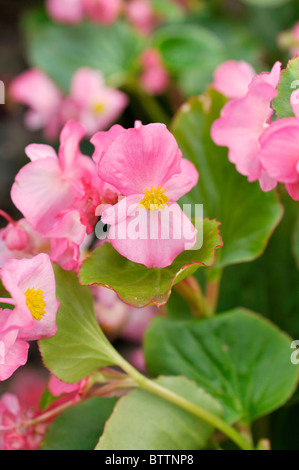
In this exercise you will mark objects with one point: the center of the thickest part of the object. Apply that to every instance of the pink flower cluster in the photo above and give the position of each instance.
(74, 11)
(140, 13)
(262, 148)
(136, 176)
(90, 101)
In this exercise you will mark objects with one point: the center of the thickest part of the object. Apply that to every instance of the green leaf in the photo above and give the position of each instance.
(139, 286)
(59, 49)
(79, 347)
(79, 427)
(143, 421)
(289, 81)
(189, 51)
(238, 357)
(266, 3)
(248, 216)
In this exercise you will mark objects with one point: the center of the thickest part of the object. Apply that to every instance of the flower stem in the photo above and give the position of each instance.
(190, 290)
(185, 404)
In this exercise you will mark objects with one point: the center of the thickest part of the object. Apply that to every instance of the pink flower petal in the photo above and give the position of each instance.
(140, 158)
(40, 192)
(232, 78)
(279, 150)
(240, 126)
(154, 239)
(181, 183)
(39, 151)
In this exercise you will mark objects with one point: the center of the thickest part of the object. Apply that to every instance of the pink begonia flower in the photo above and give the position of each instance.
(141, 15)
(49, 185)
(19, 240)
(243, 121)
(146, 166)
(232, 78)
(102, 11)
(31, 284)
(15, 433)
(154, 77)
(65, 11)
(91, 102)
(279, 150)
(36, 90)
(13, 351)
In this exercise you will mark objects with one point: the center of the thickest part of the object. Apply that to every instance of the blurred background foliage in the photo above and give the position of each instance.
(191, 46)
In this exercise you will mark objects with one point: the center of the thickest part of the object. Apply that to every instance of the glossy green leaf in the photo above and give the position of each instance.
(289, 82)
(79, 427)
(143, 421)
(248, 216)
(140, 286)
(238, 357)
(79, 347)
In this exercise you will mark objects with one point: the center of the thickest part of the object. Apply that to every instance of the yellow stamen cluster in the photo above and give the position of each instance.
(36, 303)
(98, 108)
(154, 199)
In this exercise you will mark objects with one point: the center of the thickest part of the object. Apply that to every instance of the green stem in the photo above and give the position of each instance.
(190, 290)
(212, 290)
(187, 405)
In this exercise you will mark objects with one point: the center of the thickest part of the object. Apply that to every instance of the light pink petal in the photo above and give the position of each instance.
(119, 212)
(272, 77)
(293, 190)
(266, 182)
(279, 152)
(39, 151)
(65, 11)
(40, 192)
(140, 158)
(15, 357)
(57, 387)
(65, 253)
(181, 183)
(101, 141)
(232, 78)
(153, 239)
(240, 126)
(86, 83)
(69, 226)
(69, 149)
